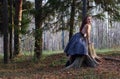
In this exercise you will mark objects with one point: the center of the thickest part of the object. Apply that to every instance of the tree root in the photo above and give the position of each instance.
(82, 61)
(76, 64)
(112, 59)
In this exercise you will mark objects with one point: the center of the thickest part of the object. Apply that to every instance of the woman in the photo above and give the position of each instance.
(78, 45)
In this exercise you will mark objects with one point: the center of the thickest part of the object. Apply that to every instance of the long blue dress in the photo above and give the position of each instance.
(77, 45)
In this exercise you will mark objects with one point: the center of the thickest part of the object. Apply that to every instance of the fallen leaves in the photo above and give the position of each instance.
(51, 66)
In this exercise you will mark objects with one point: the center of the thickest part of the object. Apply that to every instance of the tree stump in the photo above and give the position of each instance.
(92, 52)
(90, 60)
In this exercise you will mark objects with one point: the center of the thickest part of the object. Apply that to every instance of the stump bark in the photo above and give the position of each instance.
(90, 60)
(92, 52)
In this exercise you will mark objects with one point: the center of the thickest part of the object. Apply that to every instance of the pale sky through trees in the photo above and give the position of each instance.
(31, 0)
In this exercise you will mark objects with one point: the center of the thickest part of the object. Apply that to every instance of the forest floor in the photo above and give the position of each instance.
(50, 67)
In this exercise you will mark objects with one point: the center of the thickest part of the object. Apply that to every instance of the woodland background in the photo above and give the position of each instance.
(34, 34)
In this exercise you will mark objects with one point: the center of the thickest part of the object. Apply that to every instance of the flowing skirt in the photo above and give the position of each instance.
(77, 45)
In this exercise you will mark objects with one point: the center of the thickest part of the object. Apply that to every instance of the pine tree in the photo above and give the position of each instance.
(17, 27)
(5, 32)
(38, 29)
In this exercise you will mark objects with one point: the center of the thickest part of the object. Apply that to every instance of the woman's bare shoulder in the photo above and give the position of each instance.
(88, 26)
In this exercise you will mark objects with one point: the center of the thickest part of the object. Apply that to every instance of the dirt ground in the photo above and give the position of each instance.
(51, 67)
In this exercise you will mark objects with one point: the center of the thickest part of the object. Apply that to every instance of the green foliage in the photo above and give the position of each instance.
(51, 10)
(99, 16)
(27, 5)
(62, 13)
(25, 24)
(26, 17)
(111, 6)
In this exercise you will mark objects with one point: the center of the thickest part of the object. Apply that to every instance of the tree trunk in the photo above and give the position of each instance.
(63, 34)
(38, 29)
(91, 60)
(72, 15)
(5, 25)
(11, 29)
(1, 22)
(92, 52)
(17, 27)
(84, 9)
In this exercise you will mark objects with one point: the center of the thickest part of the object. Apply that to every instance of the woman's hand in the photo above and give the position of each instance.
(85, 35)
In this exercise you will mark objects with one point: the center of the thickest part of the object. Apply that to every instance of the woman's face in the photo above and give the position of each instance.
(89, 20)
